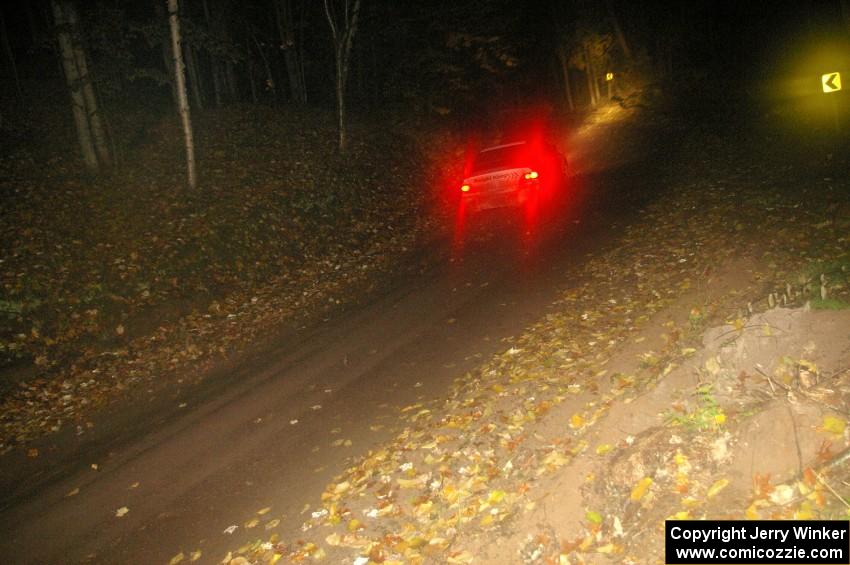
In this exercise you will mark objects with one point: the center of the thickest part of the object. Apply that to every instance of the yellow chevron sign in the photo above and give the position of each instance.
(831, 82)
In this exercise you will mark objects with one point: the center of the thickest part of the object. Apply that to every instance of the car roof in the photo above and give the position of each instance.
(495, 147)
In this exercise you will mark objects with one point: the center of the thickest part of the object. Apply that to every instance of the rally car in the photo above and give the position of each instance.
(512, 174)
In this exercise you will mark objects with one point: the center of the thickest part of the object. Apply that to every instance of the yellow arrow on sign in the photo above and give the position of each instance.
(831, 82)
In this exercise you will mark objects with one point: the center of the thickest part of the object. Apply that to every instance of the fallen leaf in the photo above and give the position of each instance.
(717, 487)
(833, 425)
(641, 488)
(593, 516)
(121, 512)
(603, 448)
(576, 421)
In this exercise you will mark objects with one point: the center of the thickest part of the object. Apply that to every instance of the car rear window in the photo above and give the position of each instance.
(500, 158)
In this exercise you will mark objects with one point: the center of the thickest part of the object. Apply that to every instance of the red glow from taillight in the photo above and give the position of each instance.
(465, 188)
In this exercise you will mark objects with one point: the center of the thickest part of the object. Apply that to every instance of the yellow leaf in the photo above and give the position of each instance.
(576, 421)
(177, 559)
(341, 487)
(752, 513)
(593, 516)
(641, 488)
(451, 494)
(252, 523)
(607, 548)
(603, 448)
(265, 510)
(410, 483)
(833, 425)
(720, 419)
(74, 492)
(424, 509)
(496, 496)
(416, 542)
(486, 520)
(682, 515)
(195, 555)
(354, 525)
(717, 487)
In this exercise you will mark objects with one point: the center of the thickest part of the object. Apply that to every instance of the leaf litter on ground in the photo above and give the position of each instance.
(465, 470)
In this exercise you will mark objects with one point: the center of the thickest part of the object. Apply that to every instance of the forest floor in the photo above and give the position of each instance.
(127, 282)
(700, 370)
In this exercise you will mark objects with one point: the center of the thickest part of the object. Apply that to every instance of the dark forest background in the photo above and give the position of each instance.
(461, 59)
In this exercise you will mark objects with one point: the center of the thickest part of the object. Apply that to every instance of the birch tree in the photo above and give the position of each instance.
(182, 99)
(90, 131)
(342, 19)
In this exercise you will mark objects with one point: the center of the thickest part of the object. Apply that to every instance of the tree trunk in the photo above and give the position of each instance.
(230, 80)
(565, 72)
(87, 87)
(72, 77)
(215, 70)
(194, 75)
(215, 64)
(290, 46)
(180, 80)
(342, 33)
(340, 104)
(270, 84)
(251, 80)
(10, 57)
(618, 31)
(588, 71)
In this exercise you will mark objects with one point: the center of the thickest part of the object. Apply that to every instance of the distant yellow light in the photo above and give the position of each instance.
(831, 82)
(465, 188)
(532, 175)
(609, 76)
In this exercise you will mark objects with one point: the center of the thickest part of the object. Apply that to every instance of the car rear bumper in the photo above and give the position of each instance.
(503, 199)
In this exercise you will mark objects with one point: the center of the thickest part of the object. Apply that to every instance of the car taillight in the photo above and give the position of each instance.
(465, 188)
(531, 176)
